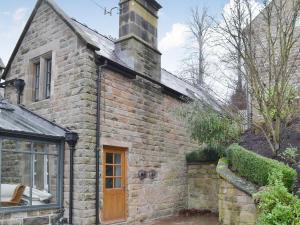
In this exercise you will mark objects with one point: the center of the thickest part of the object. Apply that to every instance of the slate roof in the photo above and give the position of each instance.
(105, 47)
(18, 120)
(2, 66)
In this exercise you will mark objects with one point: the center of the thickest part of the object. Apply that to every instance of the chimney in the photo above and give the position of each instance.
(137, 43)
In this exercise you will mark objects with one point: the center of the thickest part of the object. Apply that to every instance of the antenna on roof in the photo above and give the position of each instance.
(106, 10)
(109, 12)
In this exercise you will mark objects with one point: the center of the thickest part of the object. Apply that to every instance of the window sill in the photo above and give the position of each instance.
(41, 101)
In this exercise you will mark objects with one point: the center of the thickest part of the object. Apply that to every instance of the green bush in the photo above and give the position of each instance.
(207, 154)
(276, 205)
(208, 126)
(256, 168)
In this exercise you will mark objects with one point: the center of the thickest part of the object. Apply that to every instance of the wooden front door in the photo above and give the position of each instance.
(114, 181)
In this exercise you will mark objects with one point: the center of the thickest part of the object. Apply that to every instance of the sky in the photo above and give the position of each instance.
(173, 34)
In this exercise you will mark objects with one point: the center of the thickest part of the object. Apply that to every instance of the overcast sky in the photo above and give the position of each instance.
(173, 35)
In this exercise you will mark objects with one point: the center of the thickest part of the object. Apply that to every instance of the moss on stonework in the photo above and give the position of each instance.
(240, 183)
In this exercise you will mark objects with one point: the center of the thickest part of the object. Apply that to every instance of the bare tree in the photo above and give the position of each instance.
(194, 65)
(266, 49)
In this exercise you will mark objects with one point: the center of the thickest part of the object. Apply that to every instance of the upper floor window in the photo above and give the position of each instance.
(48, 77)
(42, 69)
(37, 68)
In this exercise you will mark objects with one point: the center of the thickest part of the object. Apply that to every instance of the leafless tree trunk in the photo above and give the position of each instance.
(267, 51)
(194, 66)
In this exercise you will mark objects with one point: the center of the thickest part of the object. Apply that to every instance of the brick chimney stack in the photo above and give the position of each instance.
(137, 42)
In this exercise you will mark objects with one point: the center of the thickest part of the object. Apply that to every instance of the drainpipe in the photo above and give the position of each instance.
(71, 139)
(98, 133)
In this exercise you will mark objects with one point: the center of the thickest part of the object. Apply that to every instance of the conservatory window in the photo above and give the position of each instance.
(29, 173)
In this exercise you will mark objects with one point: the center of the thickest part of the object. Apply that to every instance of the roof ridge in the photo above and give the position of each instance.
(94, 30)
(174, 75)
(2, 66)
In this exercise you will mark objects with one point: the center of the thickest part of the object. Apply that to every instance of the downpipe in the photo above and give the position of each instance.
(98, 134)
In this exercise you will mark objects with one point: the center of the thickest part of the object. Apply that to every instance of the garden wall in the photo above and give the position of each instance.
(203, 186)
(235, 206)
(215, 188)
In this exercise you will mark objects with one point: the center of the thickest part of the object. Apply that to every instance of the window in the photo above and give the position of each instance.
(36, 81)
(113, 176)
(29, 174)
(42, 71)
(48, 77)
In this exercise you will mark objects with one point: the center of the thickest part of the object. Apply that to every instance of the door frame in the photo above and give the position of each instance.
(117, 149)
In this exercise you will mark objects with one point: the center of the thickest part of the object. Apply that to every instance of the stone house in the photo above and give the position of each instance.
(128, 165)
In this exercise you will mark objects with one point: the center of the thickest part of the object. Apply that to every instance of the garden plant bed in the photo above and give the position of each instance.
(256, 142)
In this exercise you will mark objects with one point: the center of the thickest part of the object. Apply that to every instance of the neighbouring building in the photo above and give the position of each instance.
(128, 164)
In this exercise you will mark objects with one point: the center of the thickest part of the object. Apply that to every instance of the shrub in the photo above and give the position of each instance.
(290, 154)
(256, 168)
(207, 154)
(208, 126)
(276, 204)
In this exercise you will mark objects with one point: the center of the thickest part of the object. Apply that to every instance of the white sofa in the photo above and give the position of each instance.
(38, 197)
(7, 191)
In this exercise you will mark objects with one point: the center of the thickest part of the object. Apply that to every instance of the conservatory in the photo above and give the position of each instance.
(31, 159)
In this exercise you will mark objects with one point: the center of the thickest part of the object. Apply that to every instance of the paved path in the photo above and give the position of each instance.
(192, 220)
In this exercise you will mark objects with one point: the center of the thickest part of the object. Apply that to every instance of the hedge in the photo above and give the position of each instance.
(256, 168)
(207, 154)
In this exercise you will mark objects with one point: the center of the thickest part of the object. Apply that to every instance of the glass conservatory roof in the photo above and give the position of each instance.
(19, 120)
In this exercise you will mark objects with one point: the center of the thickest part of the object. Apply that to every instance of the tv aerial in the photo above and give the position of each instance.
(107, 11)
(110, 11)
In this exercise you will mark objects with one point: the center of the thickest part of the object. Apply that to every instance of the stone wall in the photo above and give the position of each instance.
(72, 103)
(217, 189)
(45, 217)
(138, 116)
(235, 206)
(203, 187)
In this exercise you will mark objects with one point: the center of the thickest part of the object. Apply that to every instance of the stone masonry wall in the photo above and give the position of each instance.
(235, 206)
(137, 115)
(45, 217)
(72, 103)
(203, 187)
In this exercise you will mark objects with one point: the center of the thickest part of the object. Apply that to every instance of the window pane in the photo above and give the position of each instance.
(36, 81)
(109, 183)
(52, 179)
(15, 179)
(39, 172)
(109, 170)
(118, 183)
(23, 146)
(117, 158)
(109, 158)
(9, 145)
(48, 77)
(53, 149)
(117, 171)
(28, 176)
(45, 176)
(39, 147)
